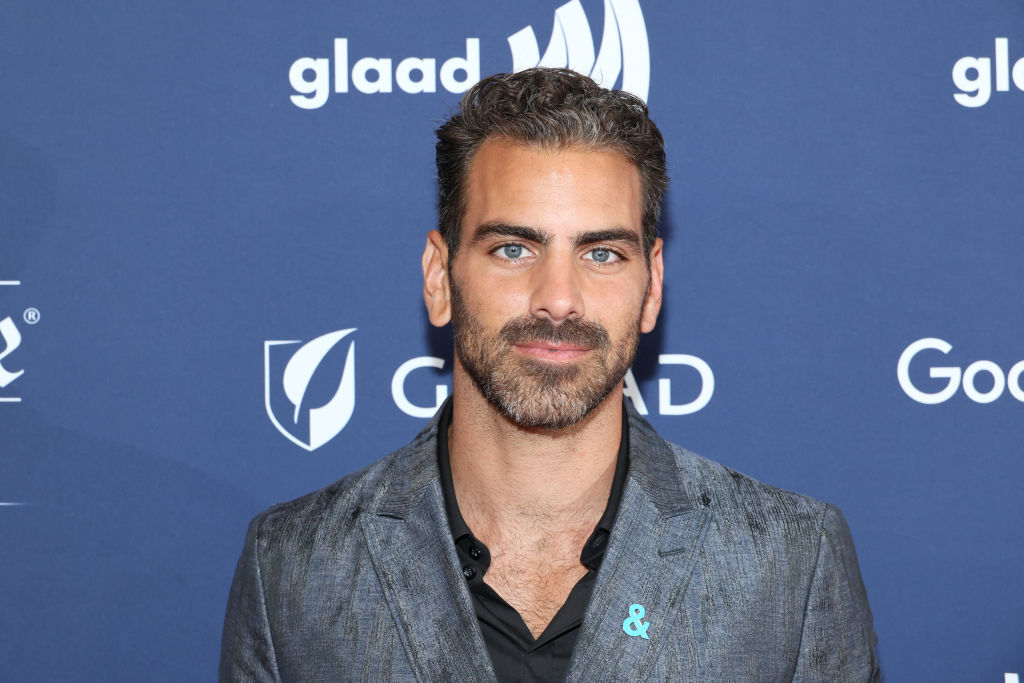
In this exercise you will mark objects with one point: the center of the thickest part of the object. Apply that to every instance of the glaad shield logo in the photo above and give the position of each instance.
(624, 47)
(11, 341)
(326, 421)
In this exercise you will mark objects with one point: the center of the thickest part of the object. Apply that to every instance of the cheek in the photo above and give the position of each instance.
(622, 314)
(624, 295)
(493, 299)
(495, 305)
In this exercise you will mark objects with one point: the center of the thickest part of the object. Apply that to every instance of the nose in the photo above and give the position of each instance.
(556, 293)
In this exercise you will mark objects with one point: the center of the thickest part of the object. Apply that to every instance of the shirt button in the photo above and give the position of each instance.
(474, 552)
(468, 572)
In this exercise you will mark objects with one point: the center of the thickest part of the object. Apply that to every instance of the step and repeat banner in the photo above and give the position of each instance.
(211, 220)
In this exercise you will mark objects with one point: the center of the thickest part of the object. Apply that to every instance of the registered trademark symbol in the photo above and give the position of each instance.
(31, 316)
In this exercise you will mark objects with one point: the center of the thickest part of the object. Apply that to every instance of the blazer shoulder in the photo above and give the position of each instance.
(333, 511)
(764, 508)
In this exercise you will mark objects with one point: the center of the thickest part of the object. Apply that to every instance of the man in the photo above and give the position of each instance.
(539, 529)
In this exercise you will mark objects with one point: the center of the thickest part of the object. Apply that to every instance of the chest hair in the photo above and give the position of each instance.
(536, 577)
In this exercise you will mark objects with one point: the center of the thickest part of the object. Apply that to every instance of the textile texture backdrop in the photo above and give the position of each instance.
(211, 218)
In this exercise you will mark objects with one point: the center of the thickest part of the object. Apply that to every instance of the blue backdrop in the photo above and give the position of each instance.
(185, 185)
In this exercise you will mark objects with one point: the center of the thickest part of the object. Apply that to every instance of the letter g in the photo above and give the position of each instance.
(398, 387)
(950, 373)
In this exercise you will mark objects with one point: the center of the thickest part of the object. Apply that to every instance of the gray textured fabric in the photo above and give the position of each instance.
(739, 582)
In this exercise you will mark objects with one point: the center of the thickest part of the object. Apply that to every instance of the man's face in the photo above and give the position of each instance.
(550, 288)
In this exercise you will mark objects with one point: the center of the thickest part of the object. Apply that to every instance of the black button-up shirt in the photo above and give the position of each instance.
(514, 652)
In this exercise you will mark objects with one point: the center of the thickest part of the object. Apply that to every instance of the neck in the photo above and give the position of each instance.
(533, 481)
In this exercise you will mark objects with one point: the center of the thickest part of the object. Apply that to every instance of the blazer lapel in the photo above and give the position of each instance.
(656, 539)
(410, 544)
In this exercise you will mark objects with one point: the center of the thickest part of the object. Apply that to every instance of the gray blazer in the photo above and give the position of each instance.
(739, 581)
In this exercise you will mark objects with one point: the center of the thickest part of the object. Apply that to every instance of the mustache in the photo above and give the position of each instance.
(573, 331)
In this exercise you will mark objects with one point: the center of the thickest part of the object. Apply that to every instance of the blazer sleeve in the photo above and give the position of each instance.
(247, 649)
(838, 640)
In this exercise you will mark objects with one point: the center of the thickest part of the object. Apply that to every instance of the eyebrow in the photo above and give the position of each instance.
(610, 235)
(486, 230)
(497, 229)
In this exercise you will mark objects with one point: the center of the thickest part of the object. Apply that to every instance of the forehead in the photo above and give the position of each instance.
(552, 188)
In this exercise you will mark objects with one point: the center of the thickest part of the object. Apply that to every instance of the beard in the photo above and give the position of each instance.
(532, 392)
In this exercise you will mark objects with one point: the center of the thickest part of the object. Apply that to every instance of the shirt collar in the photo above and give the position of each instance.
(458, 525)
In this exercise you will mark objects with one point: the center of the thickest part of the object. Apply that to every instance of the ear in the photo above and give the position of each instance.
(436, 292)
(652, 303)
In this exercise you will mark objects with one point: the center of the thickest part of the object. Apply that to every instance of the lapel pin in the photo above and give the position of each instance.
(634, 625)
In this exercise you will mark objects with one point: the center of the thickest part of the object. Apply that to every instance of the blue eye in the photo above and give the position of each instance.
(511, 251)
(602, 256)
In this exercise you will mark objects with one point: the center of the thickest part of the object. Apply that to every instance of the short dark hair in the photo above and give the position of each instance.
(548, 107)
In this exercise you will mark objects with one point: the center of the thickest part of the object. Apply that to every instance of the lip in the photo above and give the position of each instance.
(555, 351)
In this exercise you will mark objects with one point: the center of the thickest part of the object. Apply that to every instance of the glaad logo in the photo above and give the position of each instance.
(955, 377)
(413, 75)
(326, 421)
(287, 382)
(11, 340)
(624, 49)
(624, 46)
(973, 75)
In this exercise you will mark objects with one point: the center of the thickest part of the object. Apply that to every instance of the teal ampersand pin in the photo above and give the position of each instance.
(632, 625)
